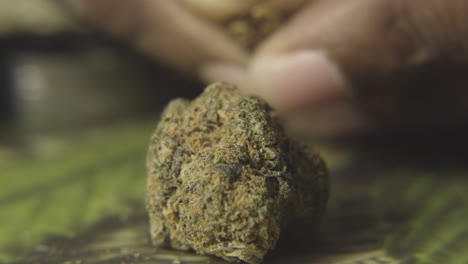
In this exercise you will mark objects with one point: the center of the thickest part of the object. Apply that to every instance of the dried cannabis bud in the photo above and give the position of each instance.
(248, 22)
(225, 180)
(261, 20)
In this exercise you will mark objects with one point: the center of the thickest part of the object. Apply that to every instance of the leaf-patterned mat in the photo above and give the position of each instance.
(98, 174)
(83, 204)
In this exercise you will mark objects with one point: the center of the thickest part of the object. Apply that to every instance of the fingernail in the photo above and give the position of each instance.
(224, 72)
(296, 81)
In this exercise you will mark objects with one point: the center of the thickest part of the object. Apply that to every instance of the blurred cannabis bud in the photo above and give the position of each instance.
(225, 180)
(259, 21)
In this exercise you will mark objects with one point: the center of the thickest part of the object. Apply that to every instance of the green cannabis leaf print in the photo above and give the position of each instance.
(65, 193)
(84, 203)
(422, 196)
(435, 203)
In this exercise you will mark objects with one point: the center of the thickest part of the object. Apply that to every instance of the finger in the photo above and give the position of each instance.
(385, 50)
(163, 30)
(296, 81)
(224, 72)
(293, 74)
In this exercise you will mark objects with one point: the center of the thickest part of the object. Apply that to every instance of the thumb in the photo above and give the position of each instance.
(396, 59)
(163, 30)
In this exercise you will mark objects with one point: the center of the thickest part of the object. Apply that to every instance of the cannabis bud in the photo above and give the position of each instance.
(224, 179)
(259, 21)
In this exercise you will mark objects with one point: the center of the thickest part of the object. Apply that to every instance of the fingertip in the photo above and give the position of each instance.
(225, 72)
(296, 81)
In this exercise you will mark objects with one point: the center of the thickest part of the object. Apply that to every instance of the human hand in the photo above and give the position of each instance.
(343, 67)
(164, 30)
(338, 67)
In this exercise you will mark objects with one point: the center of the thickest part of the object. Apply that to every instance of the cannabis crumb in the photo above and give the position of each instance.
(260, 21)
(225, 180)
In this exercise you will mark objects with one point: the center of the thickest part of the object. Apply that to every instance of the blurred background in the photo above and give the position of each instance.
(57, 76)
(76, 113)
